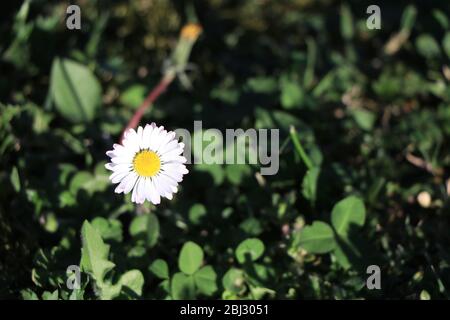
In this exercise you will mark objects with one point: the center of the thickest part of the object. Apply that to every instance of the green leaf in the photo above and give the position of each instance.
(408, 18)
(94, 253)
(347, 29)
(182, 286)
(15, 180)
(347, 254)
(28, 294)
(196, 212)
(237, 172)
(75, 89)
(251, 226)
(309, 184)
(47, 295)
(129, 286)
(252, 248)
(427, 46)
(145, 228)
(292, 94)
(160, 269)
(424, 295)
(109, 229)
(316, 238)
(364, 118)
(84, 180)
(133, 96)
(347, 212)
(262, 84)
(205, 280)
(191, 258)
(234, 280)
(132, 282)
(441, 18)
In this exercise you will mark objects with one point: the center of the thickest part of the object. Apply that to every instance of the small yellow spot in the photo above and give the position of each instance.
(146, 163)
(191, 31)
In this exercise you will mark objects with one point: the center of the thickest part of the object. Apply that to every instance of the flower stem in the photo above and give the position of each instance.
(149, 100)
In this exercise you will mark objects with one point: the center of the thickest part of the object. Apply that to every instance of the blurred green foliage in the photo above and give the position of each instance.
(364, 164)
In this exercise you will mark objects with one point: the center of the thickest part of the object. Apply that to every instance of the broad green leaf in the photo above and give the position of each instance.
(129, 285)
(347, 213)
(94, 253)
(262, 84)
(205, 280)
(47, 295)
(260, 293)
(160, 269)
(75, 89)
(316, 238)
(251, 226)
(234, 280)
(345, 257)
(424, 295)
(252, 248)
(237, 172)
(133, 281)
(364, 118)
(84, 180)
(191, 258)
(292, 94)
(427, 46)
(109, 229)
(261, 275)
(28, 294)
(145, 228)
(182, 286)
(196, 212)
(134, 95)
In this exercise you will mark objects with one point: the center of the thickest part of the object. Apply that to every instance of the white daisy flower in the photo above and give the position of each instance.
(149, 163)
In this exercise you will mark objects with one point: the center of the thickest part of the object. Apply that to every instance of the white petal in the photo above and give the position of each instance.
(135, 189)
(171, 158)
(169, 184)
(162, 186)
(141, 191)
(154, 138)
(123, 159)
(122, 167)
(131, 140)
(146, 136)
(117, 176)
(109, 166)
(168, 147)
(127, 183)
(159, 140)
(155, 197)
(170, 136)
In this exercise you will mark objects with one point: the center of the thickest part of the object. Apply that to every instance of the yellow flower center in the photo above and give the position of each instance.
(146, 163)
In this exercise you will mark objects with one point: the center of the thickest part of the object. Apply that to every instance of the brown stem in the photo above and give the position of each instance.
(149, 100)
